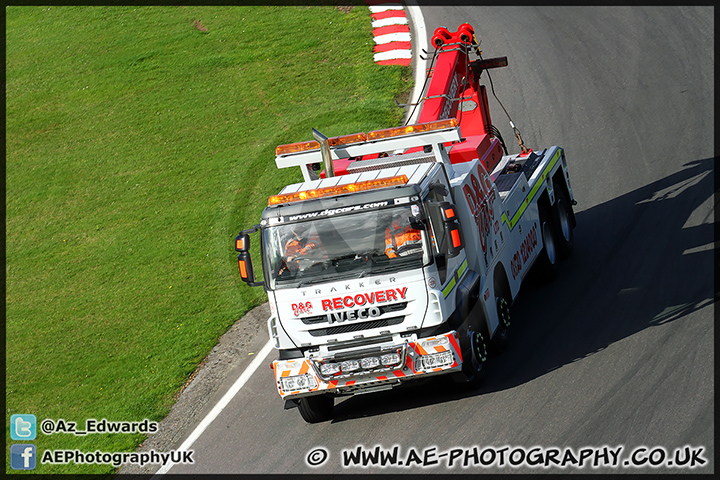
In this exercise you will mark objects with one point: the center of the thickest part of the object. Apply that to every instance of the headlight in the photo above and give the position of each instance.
(299, 382)
(428, 362)
(370, 362)
(435, 342)
(350, 365)
(390, 359)
(329, 368)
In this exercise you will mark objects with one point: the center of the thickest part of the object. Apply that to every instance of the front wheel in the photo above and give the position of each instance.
(317, 408)
(474, 366)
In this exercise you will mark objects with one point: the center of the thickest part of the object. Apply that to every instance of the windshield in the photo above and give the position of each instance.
(348, 246)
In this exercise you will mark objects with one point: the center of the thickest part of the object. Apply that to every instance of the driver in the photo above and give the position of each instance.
(301, 244)
(400, 238)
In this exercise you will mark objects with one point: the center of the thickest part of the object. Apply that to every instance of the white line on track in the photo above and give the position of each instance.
(218, 408)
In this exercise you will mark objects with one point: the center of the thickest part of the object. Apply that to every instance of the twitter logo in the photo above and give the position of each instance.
(23, 427)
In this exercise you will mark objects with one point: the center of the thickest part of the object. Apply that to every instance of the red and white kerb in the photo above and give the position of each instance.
(391, 33)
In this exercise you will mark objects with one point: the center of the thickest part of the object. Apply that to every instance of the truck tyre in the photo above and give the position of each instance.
(500, 340)
(317, 408)
(474, 364)
(563, 222)
(547, 262)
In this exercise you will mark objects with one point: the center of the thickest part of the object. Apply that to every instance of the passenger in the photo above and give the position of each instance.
(401, 239)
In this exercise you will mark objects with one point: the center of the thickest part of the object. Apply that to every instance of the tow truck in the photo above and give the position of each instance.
(348, 318)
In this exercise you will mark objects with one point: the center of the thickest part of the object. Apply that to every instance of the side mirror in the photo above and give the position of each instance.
(246, 268)
(456, 244)
(448, 212)
(242, 245)
(452, 226)
(440, 188)
(242, 242)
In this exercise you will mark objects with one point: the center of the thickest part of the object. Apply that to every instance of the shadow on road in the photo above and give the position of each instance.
(641, 260)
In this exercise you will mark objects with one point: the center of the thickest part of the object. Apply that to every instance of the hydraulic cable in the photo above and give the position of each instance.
(512, 125)
(496, 134)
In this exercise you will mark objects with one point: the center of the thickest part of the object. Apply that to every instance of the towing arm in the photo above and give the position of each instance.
(453, 91)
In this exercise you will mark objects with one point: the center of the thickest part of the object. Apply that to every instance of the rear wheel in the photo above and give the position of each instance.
(501, 338)
(563, 222)
(547, 262)
(317, 408)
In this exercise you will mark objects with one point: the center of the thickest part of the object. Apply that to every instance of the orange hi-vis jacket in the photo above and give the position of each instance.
(397, 237)
(294, 247)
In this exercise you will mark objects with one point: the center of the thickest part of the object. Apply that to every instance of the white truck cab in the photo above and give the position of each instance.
(347, 316)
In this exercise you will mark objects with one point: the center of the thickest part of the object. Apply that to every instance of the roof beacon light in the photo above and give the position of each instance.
(363, 137)
(313, 145)
(411, 129)
(338, 190)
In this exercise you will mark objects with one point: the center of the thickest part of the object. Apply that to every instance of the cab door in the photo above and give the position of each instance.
(446, 236)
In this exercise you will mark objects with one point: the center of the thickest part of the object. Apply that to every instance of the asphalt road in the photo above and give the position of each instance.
(618, 351)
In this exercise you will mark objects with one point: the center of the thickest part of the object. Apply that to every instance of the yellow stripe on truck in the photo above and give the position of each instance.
(456, 276)
(533, 191)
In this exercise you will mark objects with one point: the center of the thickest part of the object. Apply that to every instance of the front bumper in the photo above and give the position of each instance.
(393, 365)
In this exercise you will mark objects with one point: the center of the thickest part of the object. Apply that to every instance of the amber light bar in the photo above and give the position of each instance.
(410, 129)
(313, 145)
(338, 190)
(362, 137)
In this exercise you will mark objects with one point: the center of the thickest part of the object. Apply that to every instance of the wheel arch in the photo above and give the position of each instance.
(467, 298)
(544, 200)
(467, 294)
(501, 283)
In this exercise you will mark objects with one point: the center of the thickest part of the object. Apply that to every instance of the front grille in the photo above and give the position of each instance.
(360, 343)
(356, 326)
(315, 319)
(383, 310)
(369, 386)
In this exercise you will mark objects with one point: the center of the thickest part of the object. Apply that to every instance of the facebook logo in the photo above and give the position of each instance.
(23, 456)
(23, 427)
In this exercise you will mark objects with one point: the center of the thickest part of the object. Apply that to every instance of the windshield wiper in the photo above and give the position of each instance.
(398, 264)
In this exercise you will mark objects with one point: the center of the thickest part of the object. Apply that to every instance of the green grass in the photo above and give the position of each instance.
(139, 141)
